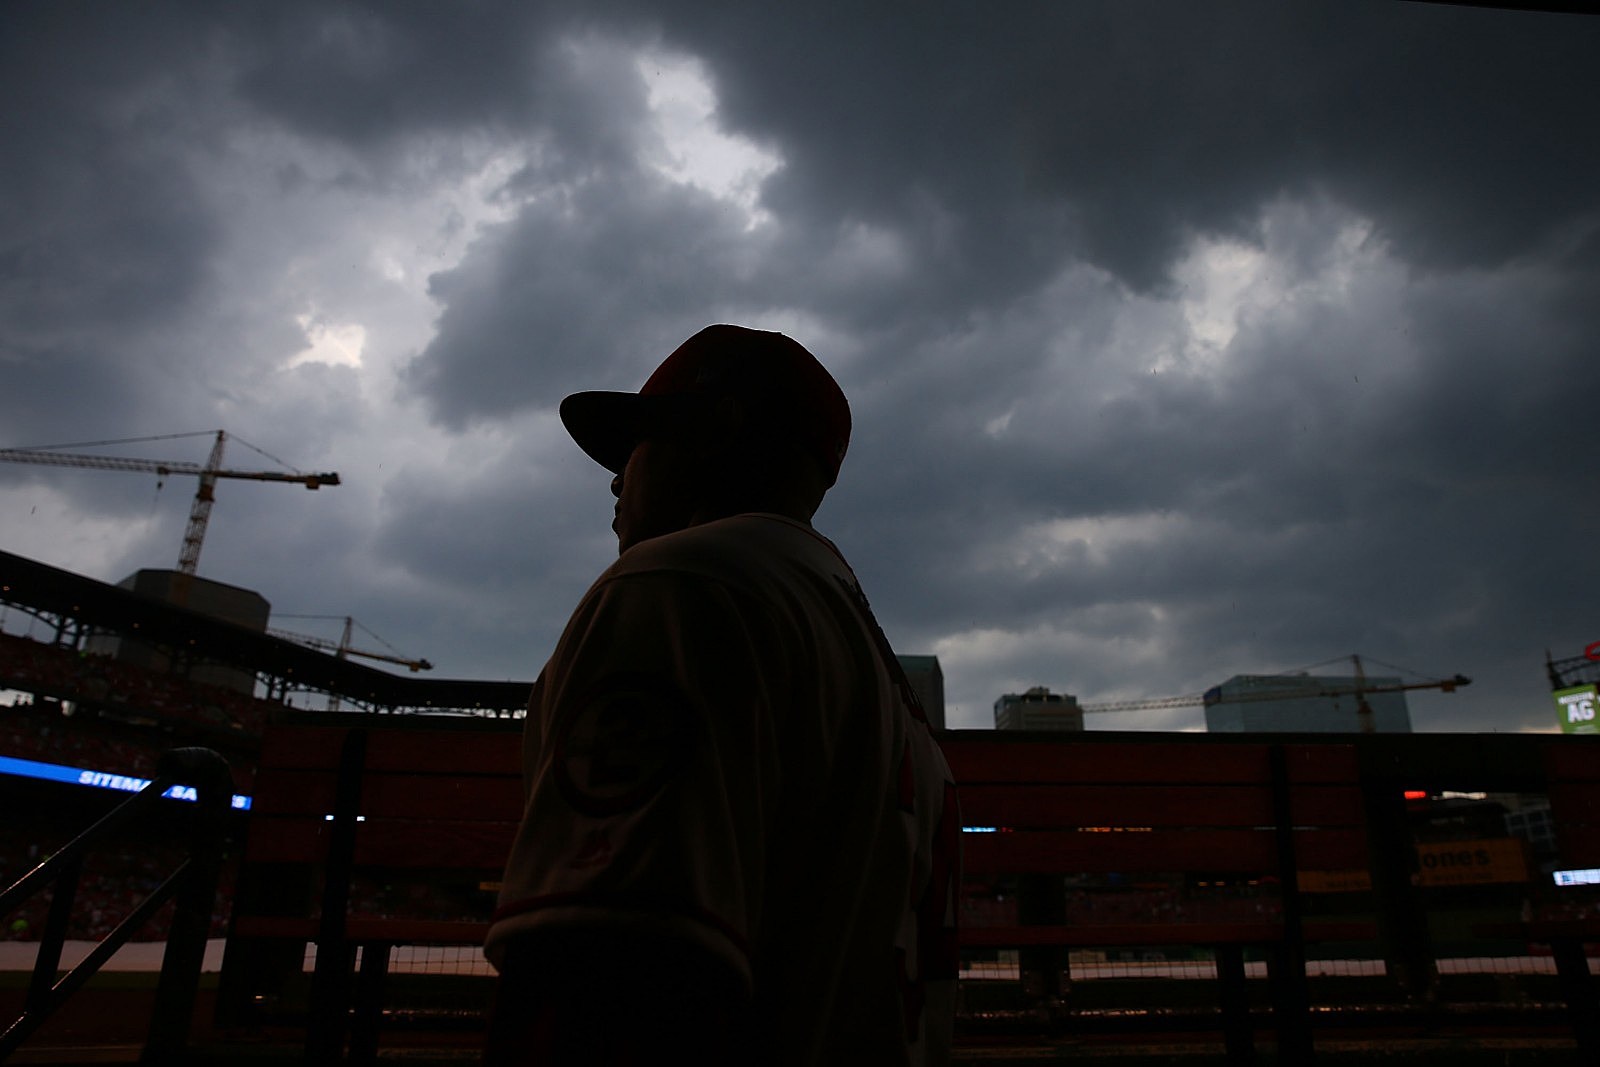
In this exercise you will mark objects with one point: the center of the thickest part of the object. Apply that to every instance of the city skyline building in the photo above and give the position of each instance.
(1038, 709)
(927, 681)
(1306, 703)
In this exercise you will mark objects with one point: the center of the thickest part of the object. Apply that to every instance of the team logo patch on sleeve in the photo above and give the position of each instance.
(621, 743)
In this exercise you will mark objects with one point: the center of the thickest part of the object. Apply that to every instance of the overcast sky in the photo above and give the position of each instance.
(1182, 339)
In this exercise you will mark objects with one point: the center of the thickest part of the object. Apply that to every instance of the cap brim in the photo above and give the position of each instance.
(605, 426)
(608, 425)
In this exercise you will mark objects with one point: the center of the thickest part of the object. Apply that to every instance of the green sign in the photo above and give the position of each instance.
(1577, 707)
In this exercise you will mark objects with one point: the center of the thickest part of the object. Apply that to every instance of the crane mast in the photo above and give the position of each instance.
(200, 511)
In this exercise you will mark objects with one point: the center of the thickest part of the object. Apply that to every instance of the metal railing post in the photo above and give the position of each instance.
(179, 985)
(63, 892)
(1291, 990)
(195, 880)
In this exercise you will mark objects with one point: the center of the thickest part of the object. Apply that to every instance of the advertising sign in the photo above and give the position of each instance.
(1484, 862)
(1335, 881)
(127, 783)
(1577, 705)
(1487, 861)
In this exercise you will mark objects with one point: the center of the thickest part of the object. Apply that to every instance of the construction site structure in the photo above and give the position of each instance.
(205, 494)
(343, 648)
(1358, 688)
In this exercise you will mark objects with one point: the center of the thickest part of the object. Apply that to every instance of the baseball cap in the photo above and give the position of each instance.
(783, 388)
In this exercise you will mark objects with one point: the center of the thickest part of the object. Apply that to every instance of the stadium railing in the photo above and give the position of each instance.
(193, 886)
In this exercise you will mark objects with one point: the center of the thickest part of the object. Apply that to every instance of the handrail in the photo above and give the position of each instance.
(194, 884)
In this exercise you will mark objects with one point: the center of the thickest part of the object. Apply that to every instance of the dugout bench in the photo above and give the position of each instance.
(1572, 782)
(339, 795)
(1237, 812)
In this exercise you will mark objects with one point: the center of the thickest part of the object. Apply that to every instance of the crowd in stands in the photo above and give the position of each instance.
(101, 681)
(41, 731)
(91, 711)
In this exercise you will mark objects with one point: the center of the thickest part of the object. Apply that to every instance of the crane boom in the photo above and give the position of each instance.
(1447, 685)
(340, 649)
(162, 467)
(204, 496)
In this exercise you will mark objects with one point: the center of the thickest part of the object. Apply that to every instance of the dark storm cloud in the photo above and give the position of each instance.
(995, 145)
(645, 260)
(360, 73)
(1458, 129)
(1354, 477)
(103, 233)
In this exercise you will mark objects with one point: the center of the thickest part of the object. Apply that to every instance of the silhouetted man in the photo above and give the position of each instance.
(740, 840)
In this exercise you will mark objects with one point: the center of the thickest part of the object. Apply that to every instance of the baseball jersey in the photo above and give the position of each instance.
(723, 749)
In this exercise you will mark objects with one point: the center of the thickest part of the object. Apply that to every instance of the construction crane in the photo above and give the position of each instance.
(342, 648)
(208, 473)
(1360, 691)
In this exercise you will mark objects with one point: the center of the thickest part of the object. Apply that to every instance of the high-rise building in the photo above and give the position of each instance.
(927, 681)
(1038, 709)
(1305, 703)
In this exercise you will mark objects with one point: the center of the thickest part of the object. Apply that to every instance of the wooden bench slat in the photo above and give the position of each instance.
(286, 841)
(1545, 930)
(446, 752)
(1322, 764)
(357, 928)
(1327, 805)
(441, 844)
(470, 797)
(1098, 935)
(1066, 852)
(1027, 806)
(415, 844)
(1573, 762)
(1002, 760)
(301, 746)
(1571, 802)
(293, 791)
(1164, 933)
(1206, 850)
(443, 752)
(460, 797)
(417, 931)
(1578, 844)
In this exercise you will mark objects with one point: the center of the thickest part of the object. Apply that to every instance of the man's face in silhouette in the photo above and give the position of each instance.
(657, 492)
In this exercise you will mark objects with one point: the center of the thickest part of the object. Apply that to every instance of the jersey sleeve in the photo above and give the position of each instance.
(650, 770)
